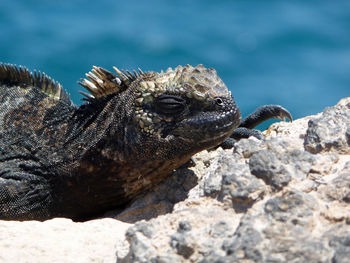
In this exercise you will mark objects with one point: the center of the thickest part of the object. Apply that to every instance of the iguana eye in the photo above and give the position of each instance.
(219, 101)
(170, 104)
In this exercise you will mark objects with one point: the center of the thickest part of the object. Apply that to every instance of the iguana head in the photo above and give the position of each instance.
(190, 104)
(180, 111)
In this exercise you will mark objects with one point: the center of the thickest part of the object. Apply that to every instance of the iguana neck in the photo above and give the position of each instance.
(98, 122)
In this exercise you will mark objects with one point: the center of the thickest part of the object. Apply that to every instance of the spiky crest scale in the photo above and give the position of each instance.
(101, 82)
(13, 75)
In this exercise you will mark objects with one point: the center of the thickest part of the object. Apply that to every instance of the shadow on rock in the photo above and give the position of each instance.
(161, 199)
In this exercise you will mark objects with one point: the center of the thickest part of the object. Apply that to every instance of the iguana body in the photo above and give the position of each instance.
(57, 159)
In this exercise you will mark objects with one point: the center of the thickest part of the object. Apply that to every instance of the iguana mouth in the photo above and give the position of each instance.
(208, 126)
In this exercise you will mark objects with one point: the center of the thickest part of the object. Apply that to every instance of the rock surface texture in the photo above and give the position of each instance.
(282, 199)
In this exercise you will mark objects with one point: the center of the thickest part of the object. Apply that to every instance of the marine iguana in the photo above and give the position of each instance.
(58, 159)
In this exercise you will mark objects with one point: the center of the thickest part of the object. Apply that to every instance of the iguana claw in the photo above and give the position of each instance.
(261, 114)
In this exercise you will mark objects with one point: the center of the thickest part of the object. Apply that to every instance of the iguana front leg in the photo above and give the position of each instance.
(261, 114)
(23, 196)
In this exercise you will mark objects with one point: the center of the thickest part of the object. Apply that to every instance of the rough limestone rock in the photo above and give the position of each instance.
(282, 199)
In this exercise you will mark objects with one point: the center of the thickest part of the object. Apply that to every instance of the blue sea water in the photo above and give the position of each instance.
(294, 53)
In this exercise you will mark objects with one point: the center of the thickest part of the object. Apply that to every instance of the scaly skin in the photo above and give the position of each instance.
(57, 159)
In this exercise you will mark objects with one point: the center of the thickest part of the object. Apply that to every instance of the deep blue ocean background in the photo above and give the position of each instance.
(294, 53)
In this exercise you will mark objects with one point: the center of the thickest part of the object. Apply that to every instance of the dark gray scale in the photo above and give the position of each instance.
(25, 149)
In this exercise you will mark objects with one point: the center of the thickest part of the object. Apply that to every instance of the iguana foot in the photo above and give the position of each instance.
(265, 113)
(261, 114)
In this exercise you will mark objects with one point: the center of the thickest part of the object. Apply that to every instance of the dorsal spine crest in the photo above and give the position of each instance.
(101, 82)
(20, 76)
